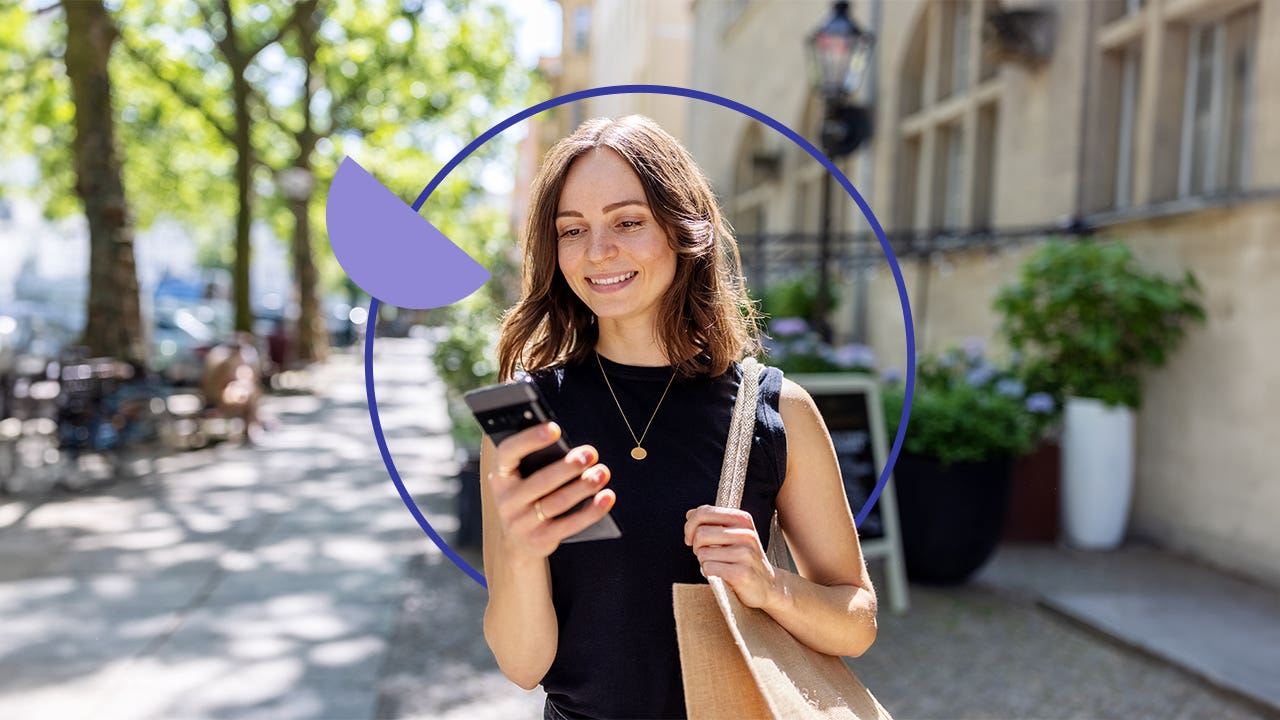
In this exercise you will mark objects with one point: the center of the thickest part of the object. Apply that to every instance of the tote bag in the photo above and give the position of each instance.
(738, 662)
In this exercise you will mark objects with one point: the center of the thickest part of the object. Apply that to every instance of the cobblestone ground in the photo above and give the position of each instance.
(972, 652)
(968, 652)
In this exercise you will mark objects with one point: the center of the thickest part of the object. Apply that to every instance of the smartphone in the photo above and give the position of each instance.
(502, 411)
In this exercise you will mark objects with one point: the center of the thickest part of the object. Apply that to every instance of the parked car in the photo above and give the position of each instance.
(179, 343)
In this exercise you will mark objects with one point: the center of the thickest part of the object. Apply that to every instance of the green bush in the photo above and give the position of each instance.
(965, 408)
(796, 297)
(1090, 319)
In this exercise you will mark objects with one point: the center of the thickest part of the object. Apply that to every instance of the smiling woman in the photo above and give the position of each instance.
(633, 323)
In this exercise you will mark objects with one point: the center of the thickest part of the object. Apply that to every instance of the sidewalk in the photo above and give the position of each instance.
(239, 582)
(1218, 627)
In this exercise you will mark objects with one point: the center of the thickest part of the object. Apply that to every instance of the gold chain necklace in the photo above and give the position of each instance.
(638, 452)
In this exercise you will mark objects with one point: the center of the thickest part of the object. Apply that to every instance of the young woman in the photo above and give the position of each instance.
(631, 321)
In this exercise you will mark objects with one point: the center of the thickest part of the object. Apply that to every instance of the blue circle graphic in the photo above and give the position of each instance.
(659, 90)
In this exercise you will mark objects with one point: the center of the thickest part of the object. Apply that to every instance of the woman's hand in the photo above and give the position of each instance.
(728, 546)
(527, 508)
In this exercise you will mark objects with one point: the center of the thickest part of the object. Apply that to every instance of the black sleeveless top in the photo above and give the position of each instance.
(617, 655)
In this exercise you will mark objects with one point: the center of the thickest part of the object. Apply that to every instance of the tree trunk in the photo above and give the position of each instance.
(312, 334)
(244, 195)
(114, 322)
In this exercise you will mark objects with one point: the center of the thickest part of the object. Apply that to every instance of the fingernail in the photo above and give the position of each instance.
(595, 477)
(550, 430)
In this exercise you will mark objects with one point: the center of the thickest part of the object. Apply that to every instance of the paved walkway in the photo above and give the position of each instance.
(288, 581)
(1214, 625)
(241, 582)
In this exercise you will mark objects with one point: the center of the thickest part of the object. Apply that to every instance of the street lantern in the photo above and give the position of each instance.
(839, 53)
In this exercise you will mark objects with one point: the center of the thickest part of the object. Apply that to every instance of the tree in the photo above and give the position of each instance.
(397, 84)
(158, 150)
(391, 82)
(114, 324)
(312, 334)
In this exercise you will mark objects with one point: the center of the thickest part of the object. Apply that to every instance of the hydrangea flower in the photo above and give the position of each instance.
(980, 375)
(892, 375)
(1040, 403)
(854, 355)
(789, 326)
(973, 348)
(1010, 387)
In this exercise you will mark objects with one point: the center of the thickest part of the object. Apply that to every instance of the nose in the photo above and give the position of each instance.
(601, 246)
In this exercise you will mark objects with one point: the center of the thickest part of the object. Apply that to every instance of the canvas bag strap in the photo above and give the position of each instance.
(737, 450)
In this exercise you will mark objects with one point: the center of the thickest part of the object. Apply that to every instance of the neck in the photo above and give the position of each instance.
(630, 344)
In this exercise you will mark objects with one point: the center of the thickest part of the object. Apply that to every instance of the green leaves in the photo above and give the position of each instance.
(1092, 319)
(966, 409)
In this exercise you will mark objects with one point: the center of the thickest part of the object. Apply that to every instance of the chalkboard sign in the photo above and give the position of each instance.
(849, 423)
(850, 406)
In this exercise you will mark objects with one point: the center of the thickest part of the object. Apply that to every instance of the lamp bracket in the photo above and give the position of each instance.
(1023, 35)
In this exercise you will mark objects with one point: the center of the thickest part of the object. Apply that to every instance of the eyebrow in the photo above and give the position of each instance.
(607, 208)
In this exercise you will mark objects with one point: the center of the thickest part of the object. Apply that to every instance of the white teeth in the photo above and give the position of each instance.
(612, 280)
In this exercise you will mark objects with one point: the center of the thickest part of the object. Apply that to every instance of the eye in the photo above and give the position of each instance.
(570, 232)
(630, 224)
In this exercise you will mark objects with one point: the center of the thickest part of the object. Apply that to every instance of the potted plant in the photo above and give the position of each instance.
(1090, 321)
(791, 345)
(464, 360)
(970, 419)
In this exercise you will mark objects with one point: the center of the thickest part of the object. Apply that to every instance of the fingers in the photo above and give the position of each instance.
(712, 516)
(546, 480)
(724, 554)
(733, 573)
(570, 494)
(716, 535)
(561, 528)
(513, 449)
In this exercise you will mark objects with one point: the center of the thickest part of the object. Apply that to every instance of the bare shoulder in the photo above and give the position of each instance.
(797, 408)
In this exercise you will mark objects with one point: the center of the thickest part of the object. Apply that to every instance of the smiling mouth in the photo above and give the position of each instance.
(612, 280)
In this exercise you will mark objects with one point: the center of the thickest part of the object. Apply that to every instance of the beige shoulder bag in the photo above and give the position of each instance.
(738, 662)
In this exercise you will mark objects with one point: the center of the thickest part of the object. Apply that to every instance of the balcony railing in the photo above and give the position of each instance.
(770, 257)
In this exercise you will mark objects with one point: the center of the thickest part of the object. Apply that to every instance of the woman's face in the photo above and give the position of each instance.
(612, 251)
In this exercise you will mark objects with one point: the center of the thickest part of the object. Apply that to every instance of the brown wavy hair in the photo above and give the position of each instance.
(706, 319)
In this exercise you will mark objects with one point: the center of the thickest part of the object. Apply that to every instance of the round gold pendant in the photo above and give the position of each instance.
(639, 453)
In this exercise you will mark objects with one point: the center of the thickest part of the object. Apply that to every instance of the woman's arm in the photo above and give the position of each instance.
(519, 621)
(830, 606)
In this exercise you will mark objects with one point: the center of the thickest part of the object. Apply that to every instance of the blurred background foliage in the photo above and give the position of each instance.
(400, 85)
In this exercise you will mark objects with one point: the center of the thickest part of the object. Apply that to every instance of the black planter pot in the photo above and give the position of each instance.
(952, 516)
(468, 502)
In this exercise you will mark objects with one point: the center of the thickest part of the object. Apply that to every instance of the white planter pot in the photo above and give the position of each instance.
(1097, 473)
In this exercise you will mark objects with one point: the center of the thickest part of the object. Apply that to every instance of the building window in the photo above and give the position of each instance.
(1116, 9)
(581, 29)
(954, 73)
(945, 168)
(1130, 66)
(948, 184)
(906, 182)
(984, 173)
(1218, 105)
